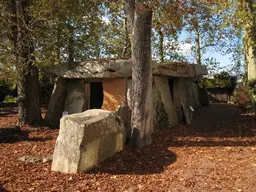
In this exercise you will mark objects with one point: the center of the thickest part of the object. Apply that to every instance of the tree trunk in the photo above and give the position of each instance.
(33, 112)
(161, 44)
(198, 47)
(15, 9)
(128, 24)
(141, 76)
(127, 44)
(71, 51)
(21, 99)
(29, 110)
(250, 40)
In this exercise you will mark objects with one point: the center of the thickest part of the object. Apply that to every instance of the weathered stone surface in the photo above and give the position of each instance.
(102, 68)
(86, 139)
(193, 95)
(165, 115)
(203, 97)
(56, 104)
(125, 113)
(176, 99)
(180, 100)
(200, 70)
(129, 92)
(35, 159)
(47, 159)
(116, 68)
(75, 100)
(184, 100)
(175, 69)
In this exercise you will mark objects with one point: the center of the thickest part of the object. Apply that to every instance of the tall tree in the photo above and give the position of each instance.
(167, 23)
(27, 73)
(141, 72)
(250, 39)
(204, 25)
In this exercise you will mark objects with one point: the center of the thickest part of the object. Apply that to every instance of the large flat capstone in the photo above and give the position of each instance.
(86, 139)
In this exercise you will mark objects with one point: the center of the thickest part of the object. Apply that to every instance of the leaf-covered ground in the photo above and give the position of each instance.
(216, 153)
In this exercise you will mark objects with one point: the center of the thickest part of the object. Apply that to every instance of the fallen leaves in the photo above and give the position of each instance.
(209, 157)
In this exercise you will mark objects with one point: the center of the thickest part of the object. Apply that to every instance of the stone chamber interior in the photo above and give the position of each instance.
(97, 95)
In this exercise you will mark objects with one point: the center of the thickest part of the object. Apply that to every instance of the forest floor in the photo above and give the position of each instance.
(216, 153)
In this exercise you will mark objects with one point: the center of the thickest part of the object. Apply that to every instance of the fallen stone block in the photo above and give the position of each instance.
(86, 139)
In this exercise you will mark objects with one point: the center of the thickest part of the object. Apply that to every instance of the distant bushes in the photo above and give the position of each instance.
(220, 87)
(8, 91)
(46, 87)
(241, 96)
(220, 80)
(10, 99)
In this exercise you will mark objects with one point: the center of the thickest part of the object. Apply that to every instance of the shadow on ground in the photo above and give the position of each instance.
(2, 189)
(217, 125)
(152, 159)
(15, 134)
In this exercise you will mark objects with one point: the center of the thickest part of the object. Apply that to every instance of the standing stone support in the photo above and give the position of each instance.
(203, 97)
(56, 104)
(193, 94)
(184, 100)
(125, 113)
(176, 99)
(181, 99)
(129, 92)
(164, 111)
(75, 101)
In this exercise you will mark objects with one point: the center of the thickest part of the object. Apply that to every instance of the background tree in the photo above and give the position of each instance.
(38, 34)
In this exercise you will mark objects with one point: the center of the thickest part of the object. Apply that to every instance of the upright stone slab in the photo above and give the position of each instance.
(86, 139)
(56, 104)
(129, 92)
(184, 100)
(176, 99)
(125, 113)
(193, 94)
(203, 97)
(75, 101)
(165, 115)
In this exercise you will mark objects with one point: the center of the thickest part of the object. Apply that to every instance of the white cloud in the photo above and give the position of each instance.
(105, 19)
(185, 48)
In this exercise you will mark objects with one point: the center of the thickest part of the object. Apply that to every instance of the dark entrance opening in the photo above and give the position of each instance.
(96, 98)
(170, 82)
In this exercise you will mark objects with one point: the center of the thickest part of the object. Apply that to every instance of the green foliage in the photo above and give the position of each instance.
(252, 86)
(7, 88)
(221, 80)
(241, 96)
(46, 87)
(10, 99)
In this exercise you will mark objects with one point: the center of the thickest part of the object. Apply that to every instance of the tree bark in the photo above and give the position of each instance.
(33, 112)
(250, 41)
(29, 110)
(127, 44)
(161, 44)
(141, 76)
(71, 50)
(198, 47)
(128, 24)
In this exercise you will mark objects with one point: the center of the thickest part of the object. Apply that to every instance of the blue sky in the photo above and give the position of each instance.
(224, 60)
